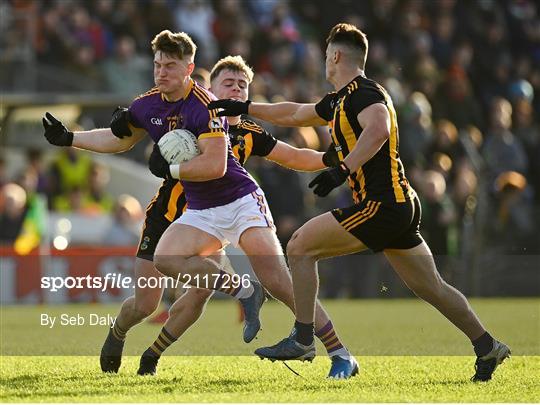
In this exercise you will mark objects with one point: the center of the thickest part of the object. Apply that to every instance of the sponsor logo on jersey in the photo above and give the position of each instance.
(156, 121)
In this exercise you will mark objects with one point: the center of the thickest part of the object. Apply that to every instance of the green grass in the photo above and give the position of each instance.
(407, 353)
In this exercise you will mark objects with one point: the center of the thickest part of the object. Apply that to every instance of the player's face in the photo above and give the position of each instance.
(170, 73)
(229, 84)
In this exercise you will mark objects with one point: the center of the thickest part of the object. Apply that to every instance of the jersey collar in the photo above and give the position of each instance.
(345, 89)
(186, 94)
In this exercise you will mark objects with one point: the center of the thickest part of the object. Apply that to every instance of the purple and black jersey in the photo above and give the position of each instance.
(158, 116)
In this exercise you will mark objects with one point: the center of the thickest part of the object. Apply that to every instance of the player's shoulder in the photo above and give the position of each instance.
(152, 93)
(363, 91)
(200, 95)
(250, 126)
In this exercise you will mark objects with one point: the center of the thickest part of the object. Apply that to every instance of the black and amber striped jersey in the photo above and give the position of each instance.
(382, 177)
(250, 139)
(247, 139)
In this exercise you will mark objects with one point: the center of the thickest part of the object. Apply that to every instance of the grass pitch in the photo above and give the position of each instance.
(407, 353)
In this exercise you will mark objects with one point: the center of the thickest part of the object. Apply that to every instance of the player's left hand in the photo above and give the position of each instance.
(329, 180)
(158, 165)
(56, 132)
(120, 123)
(230, 107)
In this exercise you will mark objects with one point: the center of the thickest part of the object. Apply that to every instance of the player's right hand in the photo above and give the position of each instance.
(56, 132)
(158, 165)
(120, 123)
(230, 107)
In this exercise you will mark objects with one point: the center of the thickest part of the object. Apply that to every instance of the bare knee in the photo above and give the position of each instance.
(298, 250)
(166, 264)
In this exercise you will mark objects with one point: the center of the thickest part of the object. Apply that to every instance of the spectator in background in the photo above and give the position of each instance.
(446, 150)
(202, 77)
(528, 132)
(83, 64)
(439, 215)
(35, 164)
(127, 72)
(455, 100)
(87, 31)
(89, 198)
(127, 215)
(158, 16)
(70, 201)
(502, 151)
(71, 168)
(12, 212)
(512, 227)
(96, 199)
(415, 129)
(196, 18)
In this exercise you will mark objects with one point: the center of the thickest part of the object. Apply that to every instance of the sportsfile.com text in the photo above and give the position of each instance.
(110, 281)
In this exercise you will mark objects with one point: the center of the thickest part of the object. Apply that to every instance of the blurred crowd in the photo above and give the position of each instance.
(464, 77)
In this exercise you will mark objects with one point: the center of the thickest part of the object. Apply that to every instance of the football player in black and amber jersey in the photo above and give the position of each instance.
(386, 212)
(231, 77)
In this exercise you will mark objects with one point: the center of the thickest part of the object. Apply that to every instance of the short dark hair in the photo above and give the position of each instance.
(349, 35)
(177, 44)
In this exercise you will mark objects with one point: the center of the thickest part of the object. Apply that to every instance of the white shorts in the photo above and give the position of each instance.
(228, 222)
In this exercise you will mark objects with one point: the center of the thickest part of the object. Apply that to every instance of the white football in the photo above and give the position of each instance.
(178, 145)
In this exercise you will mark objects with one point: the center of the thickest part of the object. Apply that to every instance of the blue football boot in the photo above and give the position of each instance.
(343, 368)
(252, 305)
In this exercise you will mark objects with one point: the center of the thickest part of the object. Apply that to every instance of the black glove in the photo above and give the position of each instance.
(119, 123)
(329, 180)
(158, 165)
(330, 157)
(231, 108)
(55, 132)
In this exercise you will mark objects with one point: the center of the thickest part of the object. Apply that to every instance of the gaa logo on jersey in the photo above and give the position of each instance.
(215, 123)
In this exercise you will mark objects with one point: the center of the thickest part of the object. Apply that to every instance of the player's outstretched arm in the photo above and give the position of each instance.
(302, 159)
(285, 114)
(103, 140)
(96, 140)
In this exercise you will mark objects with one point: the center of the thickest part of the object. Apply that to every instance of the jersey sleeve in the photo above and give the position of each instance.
(364, 97)
(136, 113)
(263, 141)
(208, 125)
(325, 108)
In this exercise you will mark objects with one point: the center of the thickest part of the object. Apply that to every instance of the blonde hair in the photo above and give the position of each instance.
(234, 64)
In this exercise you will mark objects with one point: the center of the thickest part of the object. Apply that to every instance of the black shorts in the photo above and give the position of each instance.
(166, 206)
(383, 225)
